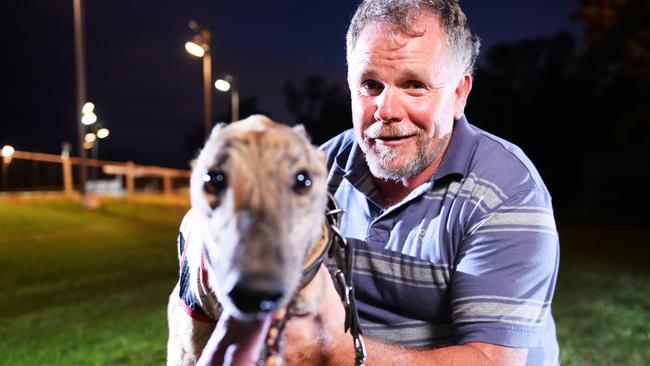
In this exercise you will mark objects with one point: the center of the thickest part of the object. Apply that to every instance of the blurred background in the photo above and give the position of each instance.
(568, 81)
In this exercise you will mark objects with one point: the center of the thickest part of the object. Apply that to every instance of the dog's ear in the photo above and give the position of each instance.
(216, 129)
(300, 129)
(322, 156)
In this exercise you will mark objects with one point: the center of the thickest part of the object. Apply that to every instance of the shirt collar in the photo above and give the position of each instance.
(464, 140)
(358, 174)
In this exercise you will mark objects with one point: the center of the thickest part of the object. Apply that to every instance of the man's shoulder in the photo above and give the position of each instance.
(504, 164)
(338, 147)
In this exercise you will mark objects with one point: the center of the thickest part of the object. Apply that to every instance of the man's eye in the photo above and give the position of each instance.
(371, 86)
(414, 84)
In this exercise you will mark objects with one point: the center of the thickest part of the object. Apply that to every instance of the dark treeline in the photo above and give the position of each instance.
(579, 109)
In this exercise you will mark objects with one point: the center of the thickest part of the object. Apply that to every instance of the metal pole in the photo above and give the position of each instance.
(95, 156)
(80, 58)
(234, 103)
(5, 175)
(207, 82)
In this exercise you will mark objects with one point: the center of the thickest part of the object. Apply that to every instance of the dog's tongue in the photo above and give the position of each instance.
(235, 342)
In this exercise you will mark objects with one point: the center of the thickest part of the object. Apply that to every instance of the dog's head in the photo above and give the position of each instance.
(260, 190)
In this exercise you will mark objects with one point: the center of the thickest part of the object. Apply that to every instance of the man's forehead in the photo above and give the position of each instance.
(382, 36)
(379, 46)
(420, 26)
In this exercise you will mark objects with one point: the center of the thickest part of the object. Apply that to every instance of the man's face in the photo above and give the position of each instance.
(406, 92)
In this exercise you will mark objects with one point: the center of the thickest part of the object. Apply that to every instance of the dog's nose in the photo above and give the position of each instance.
(255, 300)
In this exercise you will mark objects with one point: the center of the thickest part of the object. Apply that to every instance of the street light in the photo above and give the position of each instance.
(222, 85)
(88, 114)
(88, 108)
(91, 142)
(8, 151)
(89, 118)
(225, 84)
(194, 49)
(7, 154)
(102, 133)
(200, 47)
(91, 139)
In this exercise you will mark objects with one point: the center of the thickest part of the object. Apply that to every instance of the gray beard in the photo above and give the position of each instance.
(380, 165)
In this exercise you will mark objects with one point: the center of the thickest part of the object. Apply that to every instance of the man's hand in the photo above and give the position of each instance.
(320, 340)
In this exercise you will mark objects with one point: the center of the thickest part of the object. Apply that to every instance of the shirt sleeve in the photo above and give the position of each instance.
(505, 274)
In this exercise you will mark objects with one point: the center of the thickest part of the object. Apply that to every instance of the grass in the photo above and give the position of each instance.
(602, 301)
(90, 288)
(86, 288)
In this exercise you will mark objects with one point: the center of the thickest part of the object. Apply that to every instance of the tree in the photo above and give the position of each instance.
(616, 65)
(323, 109)
(526, 94)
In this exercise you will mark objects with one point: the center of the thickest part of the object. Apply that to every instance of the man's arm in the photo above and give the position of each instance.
(320, 341)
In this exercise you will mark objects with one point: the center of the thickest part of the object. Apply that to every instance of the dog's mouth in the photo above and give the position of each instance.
(236, 341)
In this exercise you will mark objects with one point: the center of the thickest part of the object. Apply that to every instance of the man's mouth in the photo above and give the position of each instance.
(392, 140)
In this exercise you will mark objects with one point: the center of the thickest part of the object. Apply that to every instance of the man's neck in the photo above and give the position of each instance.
(393, 192)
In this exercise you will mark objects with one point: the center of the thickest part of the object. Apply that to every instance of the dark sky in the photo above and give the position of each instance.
(148, 90)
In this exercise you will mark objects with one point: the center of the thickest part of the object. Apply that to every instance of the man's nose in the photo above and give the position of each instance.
(389, 106)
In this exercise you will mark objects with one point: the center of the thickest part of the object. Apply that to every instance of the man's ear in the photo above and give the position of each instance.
(461, 94)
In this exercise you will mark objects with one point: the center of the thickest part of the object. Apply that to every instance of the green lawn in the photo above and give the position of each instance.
(90, 288)
(86, 288)
(602, 301)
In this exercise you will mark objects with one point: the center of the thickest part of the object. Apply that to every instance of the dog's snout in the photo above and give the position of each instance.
(255, 299)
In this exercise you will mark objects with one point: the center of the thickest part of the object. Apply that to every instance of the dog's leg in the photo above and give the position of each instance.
(187, 336)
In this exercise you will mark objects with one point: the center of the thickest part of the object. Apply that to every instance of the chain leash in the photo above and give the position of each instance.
(342, 253)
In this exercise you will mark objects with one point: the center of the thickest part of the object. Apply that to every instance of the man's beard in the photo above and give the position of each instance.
(382, 159)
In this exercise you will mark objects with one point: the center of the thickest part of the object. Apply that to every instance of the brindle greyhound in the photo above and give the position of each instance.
(258, 194)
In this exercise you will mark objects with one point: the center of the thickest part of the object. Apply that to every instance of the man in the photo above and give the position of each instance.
(456, 251)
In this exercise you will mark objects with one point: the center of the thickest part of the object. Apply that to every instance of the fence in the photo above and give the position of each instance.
(33, 171)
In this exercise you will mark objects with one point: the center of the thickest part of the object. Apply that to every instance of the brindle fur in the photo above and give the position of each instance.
(260, 225)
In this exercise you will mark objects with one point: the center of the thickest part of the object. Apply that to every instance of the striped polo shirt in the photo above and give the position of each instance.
(471, 255)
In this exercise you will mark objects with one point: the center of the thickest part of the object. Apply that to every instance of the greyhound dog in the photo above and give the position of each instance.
(258, 196)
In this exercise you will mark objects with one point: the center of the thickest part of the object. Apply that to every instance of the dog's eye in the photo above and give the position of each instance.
(214, 182)
(303, 182)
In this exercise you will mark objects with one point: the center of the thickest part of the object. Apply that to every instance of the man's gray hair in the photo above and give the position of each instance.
(403, 16)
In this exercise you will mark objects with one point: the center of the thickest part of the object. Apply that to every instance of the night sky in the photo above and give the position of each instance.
(148, 90)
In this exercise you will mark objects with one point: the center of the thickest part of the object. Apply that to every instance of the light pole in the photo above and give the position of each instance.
(98, 131)
(200, 47)
(225, 84)
(80, 62)
(7, 154)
